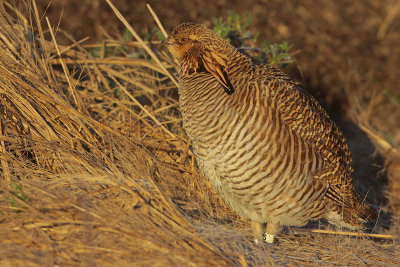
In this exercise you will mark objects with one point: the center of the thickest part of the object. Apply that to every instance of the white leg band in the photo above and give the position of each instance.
(268, 238)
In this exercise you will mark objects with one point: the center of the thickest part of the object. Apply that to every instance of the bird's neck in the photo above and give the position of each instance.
(236, 60)
(239, 66)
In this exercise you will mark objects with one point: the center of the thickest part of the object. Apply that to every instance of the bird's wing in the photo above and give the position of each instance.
(304, 116)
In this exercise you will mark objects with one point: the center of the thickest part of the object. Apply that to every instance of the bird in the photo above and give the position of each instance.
(265, 144)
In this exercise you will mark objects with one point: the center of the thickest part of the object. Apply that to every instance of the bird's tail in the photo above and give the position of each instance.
(350, 212)
(359, 212)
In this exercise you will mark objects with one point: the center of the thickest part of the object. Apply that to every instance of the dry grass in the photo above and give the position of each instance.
(96, 169)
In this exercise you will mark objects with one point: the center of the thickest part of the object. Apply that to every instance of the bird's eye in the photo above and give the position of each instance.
(183, 40)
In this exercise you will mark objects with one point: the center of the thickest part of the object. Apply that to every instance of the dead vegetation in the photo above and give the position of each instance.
(97, 170)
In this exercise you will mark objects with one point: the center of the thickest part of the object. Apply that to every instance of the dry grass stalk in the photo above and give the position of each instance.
(321, 231)
(66, 71)
(160, 26)
(4, 162)
(137, 37)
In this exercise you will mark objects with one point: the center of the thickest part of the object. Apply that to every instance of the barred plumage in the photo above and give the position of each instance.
(265, 144)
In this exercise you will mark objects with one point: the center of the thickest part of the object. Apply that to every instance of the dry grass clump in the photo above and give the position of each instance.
(80, 158)
(96, 169)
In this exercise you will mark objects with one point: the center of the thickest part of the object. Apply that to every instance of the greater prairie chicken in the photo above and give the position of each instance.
(265, 144)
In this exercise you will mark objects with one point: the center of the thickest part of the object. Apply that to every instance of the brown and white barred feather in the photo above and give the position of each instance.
(265, 144)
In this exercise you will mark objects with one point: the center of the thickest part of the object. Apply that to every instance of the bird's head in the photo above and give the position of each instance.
(190, 39)
(199, 49)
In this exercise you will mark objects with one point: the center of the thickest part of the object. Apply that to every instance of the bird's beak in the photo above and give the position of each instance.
(166, 42)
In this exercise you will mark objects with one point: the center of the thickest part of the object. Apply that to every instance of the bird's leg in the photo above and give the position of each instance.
(257, 232)
(272, 230)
